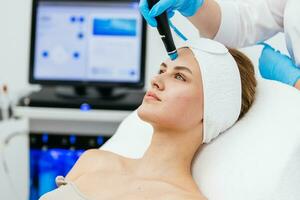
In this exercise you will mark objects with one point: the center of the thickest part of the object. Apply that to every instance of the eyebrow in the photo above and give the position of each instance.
(177, 67)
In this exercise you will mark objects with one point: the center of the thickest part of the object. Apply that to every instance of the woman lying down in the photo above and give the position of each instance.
(191, 101)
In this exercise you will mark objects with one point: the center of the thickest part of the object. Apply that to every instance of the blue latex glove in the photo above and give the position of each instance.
(186, 7)
(276, 66)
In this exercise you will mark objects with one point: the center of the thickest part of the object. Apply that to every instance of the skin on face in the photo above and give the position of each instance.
(178, 85)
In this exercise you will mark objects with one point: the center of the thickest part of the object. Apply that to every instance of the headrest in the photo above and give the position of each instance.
(257, 159)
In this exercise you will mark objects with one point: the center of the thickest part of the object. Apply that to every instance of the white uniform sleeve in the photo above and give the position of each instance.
(292, 29)
(247, 22)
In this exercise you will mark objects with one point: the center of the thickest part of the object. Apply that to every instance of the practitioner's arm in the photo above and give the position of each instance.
(207, 19)
(292, 29)
(239, 23)
(233, 23)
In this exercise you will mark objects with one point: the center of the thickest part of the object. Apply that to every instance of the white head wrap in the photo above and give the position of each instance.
(221, 86)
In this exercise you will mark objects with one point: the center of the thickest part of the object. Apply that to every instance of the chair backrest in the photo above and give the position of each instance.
(257, 159)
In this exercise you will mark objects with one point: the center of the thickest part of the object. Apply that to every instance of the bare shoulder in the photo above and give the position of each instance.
(184, 197)
(197, 198)
(182, 194)
(194, 197)
(91, 160)
(97, 156)
(191, 195)
(94, 157)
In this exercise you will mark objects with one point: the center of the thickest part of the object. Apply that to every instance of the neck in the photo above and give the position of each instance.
(170, 155)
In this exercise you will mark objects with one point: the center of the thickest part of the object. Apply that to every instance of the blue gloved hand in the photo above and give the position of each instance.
(276, 66)
(186, 7)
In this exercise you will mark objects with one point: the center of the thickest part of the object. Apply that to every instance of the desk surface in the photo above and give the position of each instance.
(69, 114)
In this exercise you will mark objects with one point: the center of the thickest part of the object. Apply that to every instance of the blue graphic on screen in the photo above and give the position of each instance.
(118, 27)
(84, 41)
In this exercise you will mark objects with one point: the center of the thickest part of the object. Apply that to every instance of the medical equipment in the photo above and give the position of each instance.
(13, 135)
(165, 32)
(52, 155)
(186, 7)
(97, 47)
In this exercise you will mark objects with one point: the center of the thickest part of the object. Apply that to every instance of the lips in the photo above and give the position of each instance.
(150, 94)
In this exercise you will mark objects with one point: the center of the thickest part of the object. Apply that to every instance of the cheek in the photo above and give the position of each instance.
(166, 113)
(179, 108)
(187, 105)
(183, 108)
(178, 103)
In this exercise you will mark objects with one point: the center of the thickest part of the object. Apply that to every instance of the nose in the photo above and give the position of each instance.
(157, 83)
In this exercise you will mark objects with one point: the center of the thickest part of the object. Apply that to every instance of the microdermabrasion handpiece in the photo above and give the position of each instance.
(164, 31)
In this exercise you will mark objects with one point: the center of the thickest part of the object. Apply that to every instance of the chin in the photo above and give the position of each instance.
(151, 114)
(155, 117)
(146, 114)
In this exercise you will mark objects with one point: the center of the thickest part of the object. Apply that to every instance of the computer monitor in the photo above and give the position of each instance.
(87, 43)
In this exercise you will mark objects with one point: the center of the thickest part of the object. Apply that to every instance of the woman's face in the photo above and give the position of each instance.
(179, 95)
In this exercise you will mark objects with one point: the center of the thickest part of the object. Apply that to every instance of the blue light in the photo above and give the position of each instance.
(100, 140)
(49, 164)
(85, 107)
(72, 139)
(173, 56)
(81, 19)
(45, 54)
(114, 27)
(132, 72)
(73, 19)
(45, 138)
(76, 55)
(80, 35)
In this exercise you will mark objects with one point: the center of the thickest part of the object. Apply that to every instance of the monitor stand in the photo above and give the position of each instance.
(96, 98)
(100, 93)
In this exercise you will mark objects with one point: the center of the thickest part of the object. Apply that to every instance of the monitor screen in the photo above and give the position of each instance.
(87, 42)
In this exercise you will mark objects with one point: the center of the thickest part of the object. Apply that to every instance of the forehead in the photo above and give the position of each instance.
(185, 58)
